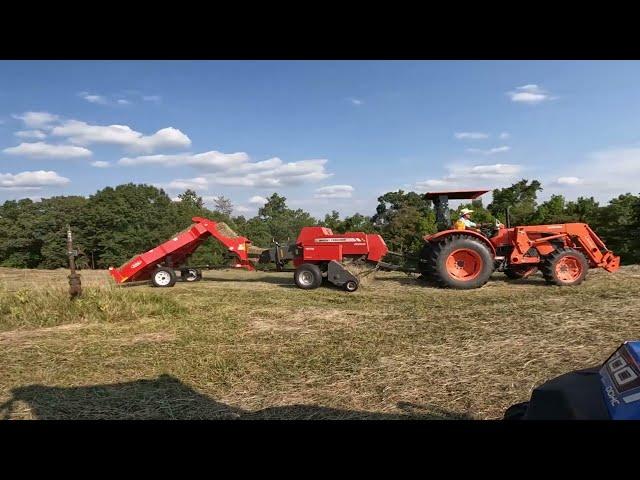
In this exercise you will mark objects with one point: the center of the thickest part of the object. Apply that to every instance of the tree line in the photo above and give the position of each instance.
(116, 223)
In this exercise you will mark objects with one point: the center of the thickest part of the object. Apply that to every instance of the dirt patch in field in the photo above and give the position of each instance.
(21, 336)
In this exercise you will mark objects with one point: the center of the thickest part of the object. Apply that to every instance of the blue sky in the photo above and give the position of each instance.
(326, 134)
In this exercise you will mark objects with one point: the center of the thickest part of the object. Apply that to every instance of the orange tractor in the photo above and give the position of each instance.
(466, 258)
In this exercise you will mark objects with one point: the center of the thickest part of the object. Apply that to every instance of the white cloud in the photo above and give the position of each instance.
(152, 98)
(241, 209)
(212, 160)
(100, 164)
(81, 133)
(334, 191)
(470, 135)
(236, 169)
(46, 150)
(568, 181)
(38, 134)
(490, 151)
(198, 183)
(123, 101)
(37, 119)
(31, 180)
(472, 176)
(257, 200)
(504, 135)
(530, 94)
(356, 101)
(92, 98)
(281, 174)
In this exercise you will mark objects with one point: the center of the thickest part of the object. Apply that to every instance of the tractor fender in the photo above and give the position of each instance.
(445, 233)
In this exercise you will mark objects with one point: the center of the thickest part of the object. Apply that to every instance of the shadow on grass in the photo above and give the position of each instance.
(167, 398)
(262, 279)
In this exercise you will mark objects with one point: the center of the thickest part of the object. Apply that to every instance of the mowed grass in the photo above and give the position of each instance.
(252, 345)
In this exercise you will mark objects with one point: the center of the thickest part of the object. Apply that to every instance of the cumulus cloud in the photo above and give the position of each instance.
(257, 200)
(46, 150)
(37, 134)
(31, 180)
(471, 176)
(241, 209)
(81, 133)
(568, 180)
(489, 151)
(37, 119)
(187, 183)
(356, 101)
(530, 94)
(334, 191)
(100, 164)
(93, 98)
(470, 135)
(236, 169)
(212, 160)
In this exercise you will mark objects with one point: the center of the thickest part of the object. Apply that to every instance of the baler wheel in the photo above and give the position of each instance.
(460, 261)
(565, 267)
(163, 277)
(351, 286)
(308, 276)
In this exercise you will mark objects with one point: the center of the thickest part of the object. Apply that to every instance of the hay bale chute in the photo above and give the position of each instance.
(227, 231)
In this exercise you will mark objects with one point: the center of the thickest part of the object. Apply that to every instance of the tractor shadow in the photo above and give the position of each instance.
(167, 398)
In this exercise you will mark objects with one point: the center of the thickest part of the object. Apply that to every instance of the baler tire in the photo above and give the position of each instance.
(577, 269)
(351, 286)
(159, 281)
(308, 276)
(477, 253)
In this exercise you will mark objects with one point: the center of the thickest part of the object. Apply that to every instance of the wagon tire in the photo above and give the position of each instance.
(163, 277)
(191, 275)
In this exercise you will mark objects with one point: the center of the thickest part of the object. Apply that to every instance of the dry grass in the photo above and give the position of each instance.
(251, 345)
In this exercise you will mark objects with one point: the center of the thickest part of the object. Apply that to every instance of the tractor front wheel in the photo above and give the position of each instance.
(460, 261)
(565, 267)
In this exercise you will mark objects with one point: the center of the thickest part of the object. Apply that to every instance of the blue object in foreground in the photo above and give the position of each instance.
(620, 377)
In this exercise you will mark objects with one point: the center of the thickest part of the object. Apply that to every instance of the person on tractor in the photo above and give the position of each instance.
(465, 220)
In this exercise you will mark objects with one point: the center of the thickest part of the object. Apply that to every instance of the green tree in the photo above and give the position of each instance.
(520, 198)
(403, 219)
(616, 224)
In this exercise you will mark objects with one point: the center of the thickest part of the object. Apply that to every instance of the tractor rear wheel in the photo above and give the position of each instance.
(164, 277)
(565, 267)
(308, 276)
(460, 261)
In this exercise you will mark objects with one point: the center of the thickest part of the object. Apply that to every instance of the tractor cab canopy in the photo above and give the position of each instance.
(457, 195)
(441, 203)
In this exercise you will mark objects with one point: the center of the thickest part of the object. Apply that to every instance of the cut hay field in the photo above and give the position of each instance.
(251, 345)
